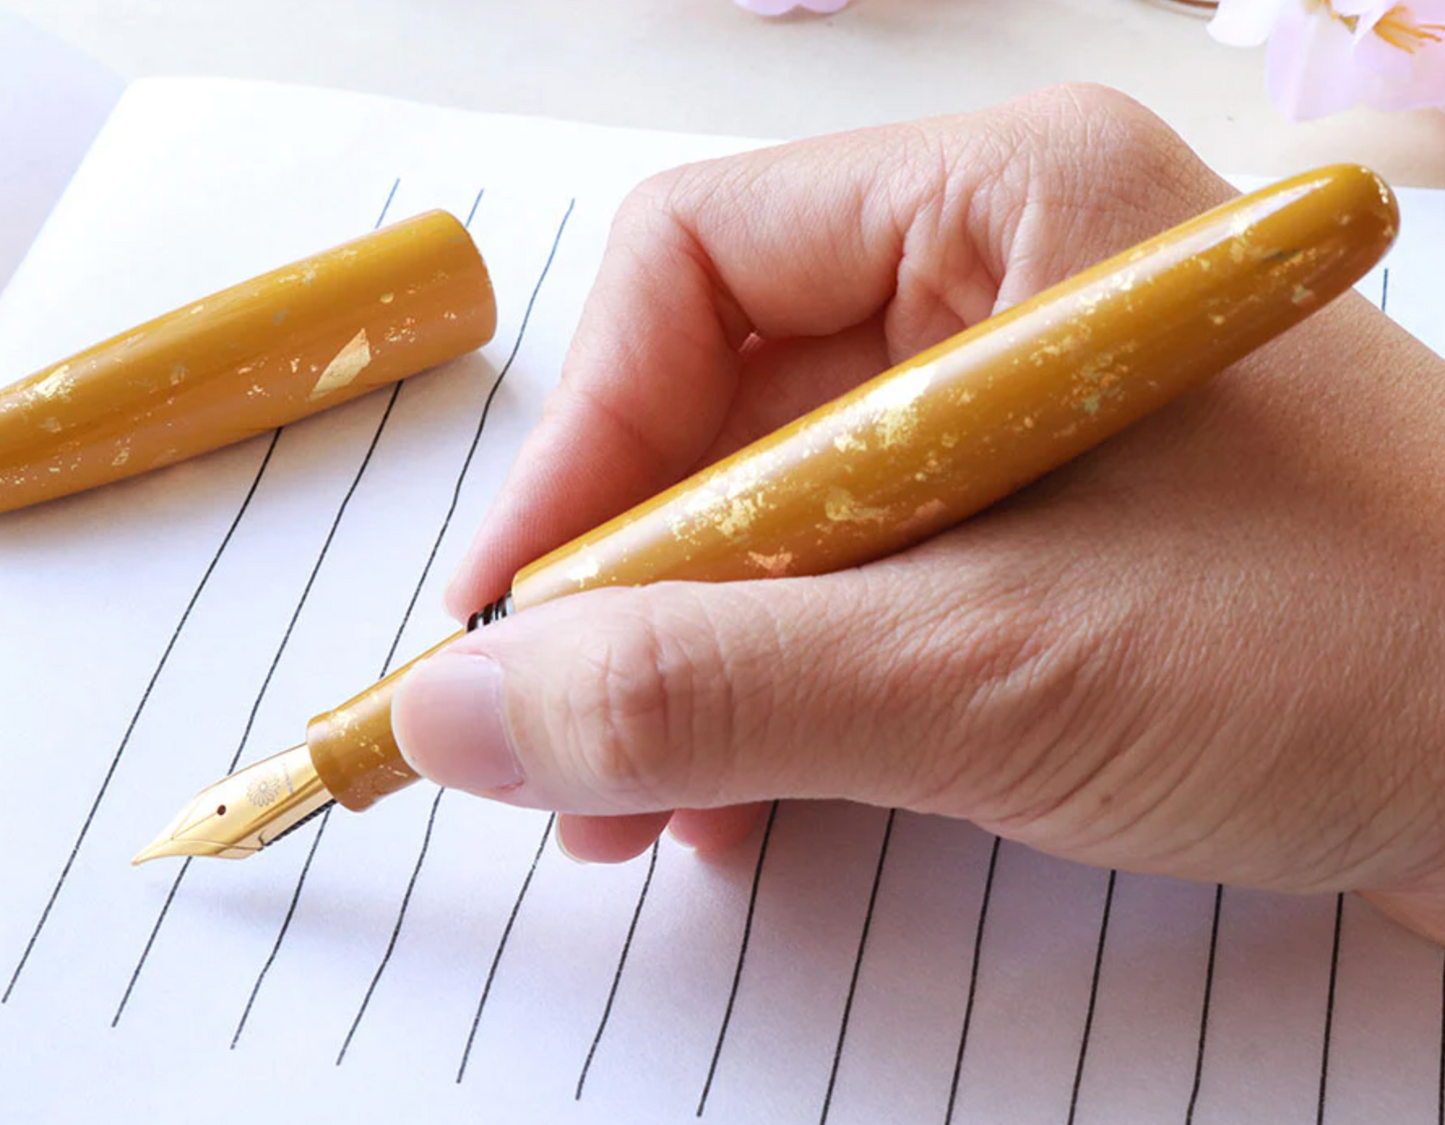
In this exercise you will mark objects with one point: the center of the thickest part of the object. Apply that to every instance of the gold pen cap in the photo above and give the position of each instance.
(269, 351)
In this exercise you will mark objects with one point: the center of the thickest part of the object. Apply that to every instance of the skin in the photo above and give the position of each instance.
(1207, 649)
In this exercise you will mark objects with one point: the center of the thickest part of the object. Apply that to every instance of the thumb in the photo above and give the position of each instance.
(689, 695)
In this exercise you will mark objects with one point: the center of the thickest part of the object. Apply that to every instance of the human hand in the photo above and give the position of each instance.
(1207, 649)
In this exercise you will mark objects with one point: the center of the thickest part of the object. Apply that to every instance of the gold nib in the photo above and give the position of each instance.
(241, 814)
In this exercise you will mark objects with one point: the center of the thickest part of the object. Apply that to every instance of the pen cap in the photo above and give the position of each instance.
(279, 347)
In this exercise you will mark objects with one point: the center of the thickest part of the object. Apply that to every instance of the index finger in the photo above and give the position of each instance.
(900, 234)
(800, 240)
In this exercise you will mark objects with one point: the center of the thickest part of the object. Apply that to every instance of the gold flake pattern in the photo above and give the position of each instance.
(342, 371)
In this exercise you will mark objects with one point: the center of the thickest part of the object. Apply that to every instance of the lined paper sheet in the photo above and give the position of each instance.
(437, 958)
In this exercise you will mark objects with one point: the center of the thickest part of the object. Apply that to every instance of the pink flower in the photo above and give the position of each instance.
(782, 7)
(1327, 55)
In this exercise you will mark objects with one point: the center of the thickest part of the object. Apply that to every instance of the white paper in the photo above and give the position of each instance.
(308, 549)
(53, 102)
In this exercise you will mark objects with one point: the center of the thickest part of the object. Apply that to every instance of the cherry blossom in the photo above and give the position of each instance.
(1327, 55)
(782, 7)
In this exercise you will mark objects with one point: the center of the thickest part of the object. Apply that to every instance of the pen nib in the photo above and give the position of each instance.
(241, 814)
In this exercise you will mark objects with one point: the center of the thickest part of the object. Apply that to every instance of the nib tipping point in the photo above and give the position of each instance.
(154, 850)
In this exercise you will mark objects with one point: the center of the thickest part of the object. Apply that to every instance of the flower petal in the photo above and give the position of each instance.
(1399, 77)
(1375, 56)
(1422, 85)
(1310, 67)
(1367, 11)
(1247, 23)
(782, 7)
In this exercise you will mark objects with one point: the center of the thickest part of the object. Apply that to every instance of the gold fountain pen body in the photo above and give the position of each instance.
(907, 454)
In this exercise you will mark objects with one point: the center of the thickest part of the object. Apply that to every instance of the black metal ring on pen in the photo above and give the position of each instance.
(499, 609)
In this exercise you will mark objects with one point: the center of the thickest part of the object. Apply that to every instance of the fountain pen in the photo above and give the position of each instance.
(912, 451)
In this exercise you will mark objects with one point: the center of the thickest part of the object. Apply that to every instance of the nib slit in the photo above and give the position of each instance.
(240, 814)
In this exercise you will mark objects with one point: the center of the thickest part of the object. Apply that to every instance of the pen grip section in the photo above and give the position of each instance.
(352, 746)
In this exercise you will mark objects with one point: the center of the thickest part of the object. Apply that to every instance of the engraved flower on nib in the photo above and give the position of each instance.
(263, 790)
(1324, 56)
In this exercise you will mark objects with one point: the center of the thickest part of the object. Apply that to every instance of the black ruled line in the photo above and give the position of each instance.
(301, 878)
(857, 968)
(421, 582)
(280, 651)
(502, 947)
(283, 929)
(290, 913)
(265, 685)
(972, 979)
(135, 718)
(1204, 1006)
(617, 976)
(472, 214)
(151, 940)
(742, 957)
(390, 198)
(1385, 292)
(396, 642)
(311, 579)
(481, 427)
(1330, 1009)
(431, 819)
(385, 207)
(1093, 997)
(395, 930)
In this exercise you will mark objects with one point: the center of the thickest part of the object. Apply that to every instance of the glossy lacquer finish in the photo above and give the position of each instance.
(937, 438)
(246, 360)
(956, 428)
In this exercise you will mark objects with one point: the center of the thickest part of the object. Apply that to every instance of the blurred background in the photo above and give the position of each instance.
(708, 66)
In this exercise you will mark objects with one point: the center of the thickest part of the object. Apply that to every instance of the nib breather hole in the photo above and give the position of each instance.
(221, 810)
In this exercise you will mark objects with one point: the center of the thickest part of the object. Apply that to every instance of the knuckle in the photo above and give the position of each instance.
(1095, 172)
(665, 204)
(1091, 99)
(644, 203)
(632, 715)
(619, 710)
(1015, 664)
(1143, 173)
(1019, 665)
(648, 226)
(1087, 112)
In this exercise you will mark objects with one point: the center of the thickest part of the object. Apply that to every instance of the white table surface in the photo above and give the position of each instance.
(708, 66)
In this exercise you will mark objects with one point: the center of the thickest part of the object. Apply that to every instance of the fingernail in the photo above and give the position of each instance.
(561, 837)
(450, 726)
